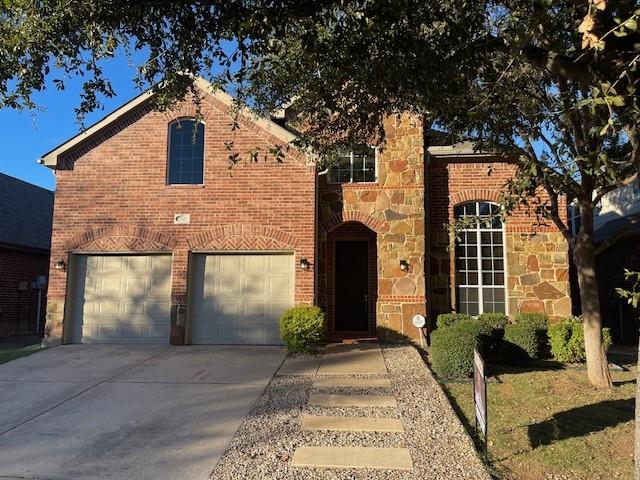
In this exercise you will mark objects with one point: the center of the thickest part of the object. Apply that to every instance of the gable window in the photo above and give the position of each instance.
(480, 264)
(354, 166)
(186, 152)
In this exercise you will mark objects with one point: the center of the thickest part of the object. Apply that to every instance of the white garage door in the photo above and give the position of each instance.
(121, 298)
(239, 298)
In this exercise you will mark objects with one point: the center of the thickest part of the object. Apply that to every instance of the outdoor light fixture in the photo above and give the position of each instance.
(61, 265)
(404, 265)
(304, 264)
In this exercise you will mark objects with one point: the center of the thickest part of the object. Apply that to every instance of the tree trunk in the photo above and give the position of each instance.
(585, 260)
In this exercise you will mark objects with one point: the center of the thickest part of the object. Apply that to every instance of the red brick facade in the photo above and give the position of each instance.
(19, 308)
(112, 196)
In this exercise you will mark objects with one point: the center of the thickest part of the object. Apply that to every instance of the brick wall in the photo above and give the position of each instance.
(18, 309)
(112, 197)
(537, 259)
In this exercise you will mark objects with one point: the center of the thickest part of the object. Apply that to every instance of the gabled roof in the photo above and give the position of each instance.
(26, 213)
(50, 159)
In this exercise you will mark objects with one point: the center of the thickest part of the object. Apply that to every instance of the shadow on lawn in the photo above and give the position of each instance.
(581, 421)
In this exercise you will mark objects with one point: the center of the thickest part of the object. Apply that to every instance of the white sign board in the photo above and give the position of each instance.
(480, 392)
(419, 321)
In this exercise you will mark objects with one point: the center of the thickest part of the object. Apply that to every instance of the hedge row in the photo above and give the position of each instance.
(528, 338)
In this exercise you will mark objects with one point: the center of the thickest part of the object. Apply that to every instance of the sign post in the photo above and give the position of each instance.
(419, 321)
(480, 396)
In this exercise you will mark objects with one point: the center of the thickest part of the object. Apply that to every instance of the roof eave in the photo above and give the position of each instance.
(51, 158)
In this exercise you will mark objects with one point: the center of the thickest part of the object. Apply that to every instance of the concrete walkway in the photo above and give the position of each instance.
(127, 412)
(350, 362)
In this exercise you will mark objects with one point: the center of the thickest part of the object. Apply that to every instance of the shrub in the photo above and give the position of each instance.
(496, 320)
(567, 340)
(522, 342)
(447, 319)
(495, 323)
(451, 352)
(302, 328)
(539, 320)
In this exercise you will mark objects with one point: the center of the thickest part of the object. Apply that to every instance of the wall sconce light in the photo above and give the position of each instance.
(304, 264)
(404, 265)
(61, 265)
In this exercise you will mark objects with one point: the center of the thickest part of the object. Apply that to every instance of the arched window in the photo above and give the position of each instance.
(480, 264)
(186, 152)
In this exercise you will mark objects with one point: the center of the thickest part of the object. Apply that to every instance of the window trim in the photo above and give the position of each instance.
(375, 170)
(477, 231)
(204, 153)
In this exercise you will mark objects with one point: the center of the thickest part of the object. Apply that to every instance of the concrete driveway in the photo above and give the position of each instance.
(126, 412)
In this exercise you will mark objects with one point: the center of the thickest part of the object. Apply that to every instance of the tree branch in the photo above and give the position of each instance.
(609, 188)
(555, 215)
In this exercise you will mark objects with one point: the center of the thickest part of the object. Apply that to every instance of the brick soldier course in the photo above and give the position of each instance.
(112, 196)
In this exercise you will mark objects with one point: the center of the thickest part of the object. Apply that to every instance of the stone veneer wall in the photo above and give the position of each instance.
(538, 273)
(393, 207)
(537, 256)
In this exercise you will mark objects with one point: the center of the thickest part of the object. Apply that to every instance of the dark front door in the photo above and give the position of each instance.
(352, 286)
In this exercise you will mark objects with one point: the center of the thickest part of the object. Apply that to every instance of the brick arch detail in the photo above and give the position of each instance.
(184, 111)
(243, 237)
(121, 238)
(475, 195)
(333, 222)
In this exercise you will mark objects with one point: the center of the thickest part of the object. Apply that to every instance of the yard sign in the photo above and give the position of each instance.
(480, 394)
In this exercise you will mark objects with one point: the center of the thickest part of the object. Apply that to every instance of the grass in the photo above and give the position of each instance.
(6, 355)
(544, 422)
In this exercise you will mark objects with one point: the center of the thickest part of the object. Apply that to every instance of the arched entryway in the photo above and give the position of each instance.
(352, 285)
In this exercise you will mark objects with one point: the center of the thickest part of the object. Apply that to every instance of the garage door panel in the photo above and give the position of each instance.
(122, 298)
(239, 298)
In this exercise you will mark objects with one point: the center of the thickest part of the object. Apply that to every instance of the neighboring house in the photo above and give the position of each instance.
(153, 229)
(25, 239)
(614, 215)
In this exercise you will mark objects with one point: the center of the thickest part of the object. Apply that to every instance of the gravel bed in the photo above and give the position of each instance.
(377, 412)
(264, 444)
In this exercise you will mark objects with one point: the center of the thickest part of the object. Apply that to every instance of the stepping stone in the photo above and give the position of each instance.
(353, 457)
(351, 424)
(352, 359)
(349, 382)
(328, 400)
(300, 366)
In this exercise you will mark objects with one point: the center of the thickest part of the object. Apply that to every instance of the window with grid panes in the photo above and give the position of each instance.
(186, 152)
(354, 166)
(479, 259)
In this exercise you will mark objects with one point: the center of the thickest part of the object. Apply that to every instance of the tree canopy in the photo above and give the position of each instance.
(551, 83)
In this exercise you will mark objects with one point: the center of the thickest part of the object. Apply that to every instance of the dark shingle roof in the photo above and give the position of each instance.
(26, 213)
(612, 227)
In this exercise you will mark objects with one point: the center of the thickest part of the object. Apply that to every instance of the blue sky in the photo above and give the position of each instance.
(25, 135)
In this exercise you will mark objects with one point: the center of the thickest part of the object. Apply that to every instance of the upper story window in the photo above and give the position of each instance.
(186, 152)
(355, 166)
(479, 258)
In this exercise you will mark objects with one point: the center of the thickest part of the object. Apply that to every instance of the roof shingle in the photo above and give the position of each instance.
(26, 213)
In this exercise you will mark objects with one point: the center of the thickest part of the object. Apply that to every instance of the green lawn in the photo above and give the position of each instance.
(6, 355)
(553, 422)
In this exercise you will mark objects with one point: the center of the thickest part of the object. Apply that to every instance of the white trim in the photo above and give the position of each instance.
(462, 149)
(477, 231)
(376, 156)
